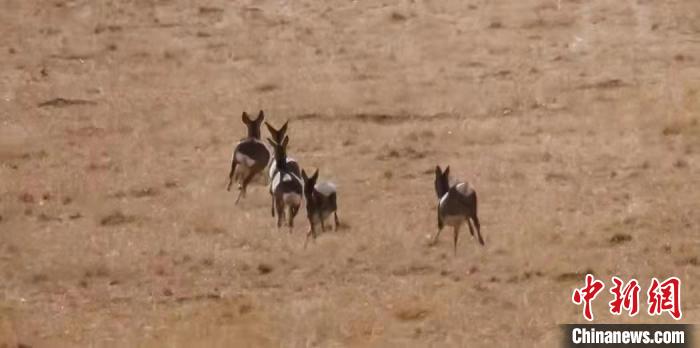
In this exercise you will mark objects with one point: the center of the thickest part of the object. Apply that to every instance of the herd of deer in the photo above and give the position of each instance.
(290, 185)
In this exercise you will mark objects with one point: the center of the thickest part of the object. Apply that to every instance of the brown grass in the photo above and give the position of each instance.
(577, 125)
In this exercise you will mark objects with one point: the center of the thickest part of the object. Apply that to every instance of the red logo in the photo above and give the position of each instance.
(661, 297)
(626, 297)
(587, 294)
(665, 297)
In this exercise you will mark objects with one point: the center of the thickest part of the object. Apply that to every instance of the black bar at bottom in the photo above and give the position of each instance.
(627, 335)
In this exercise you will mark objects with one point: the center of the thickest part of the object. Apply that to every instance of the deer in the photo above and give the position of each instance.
(457, 204)
(286, 187)
(250, 156)
(321, 202)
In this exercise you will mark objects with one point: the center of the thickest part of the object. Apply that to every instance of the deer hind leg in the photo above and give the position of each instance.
(279, 206)
(247, 180)
(293, 210)
(471, 229)
(312, 232)
(244, 185)
(240, 193)
(474, 216)
(475, 219)
(456, 237)
(440, 226)
(230, 174)
(323, 223)
(333, 205)
(437, 236)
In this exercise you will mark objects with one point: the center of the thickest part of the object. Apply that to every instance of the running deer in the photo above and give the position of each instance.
(278, 136)
(456, 205)
(321, 202)
(286, 187)
(250, 156)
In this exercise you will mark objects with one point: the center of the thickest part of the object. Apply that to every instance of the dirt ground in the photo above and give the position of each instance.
(577, 121)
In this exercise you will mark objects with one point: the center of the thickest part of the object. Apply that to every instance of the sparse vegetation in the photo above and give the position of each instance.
(119, 119)
(620, 238)
(116, 218)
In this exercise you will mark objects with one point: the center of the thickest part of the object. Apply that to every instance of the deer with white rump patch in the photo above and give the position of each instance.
(321, 202)
(456, 205)
(250, 156)
(286, 187)
(278, 136)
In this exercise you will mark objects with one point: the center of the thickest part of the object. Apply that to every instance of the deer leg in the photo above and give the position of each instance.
(240, 193)
(244, 185)
(437, 235)
(292, 214)
(337, 223)
(475, 219)
(456, 237)
(471, 229)
(230, 174)
(246, 181)
(312, 232)
(279, 205)
(440, 226)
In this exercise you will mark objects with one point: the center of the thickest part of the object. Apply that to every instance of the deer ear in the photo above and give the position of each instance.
(261, 116)
(285, 142)
(284, 127)
(272, 130)
(245, 118)
(304, 176)
(446, 173)
(315, 176)
(438, 171)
